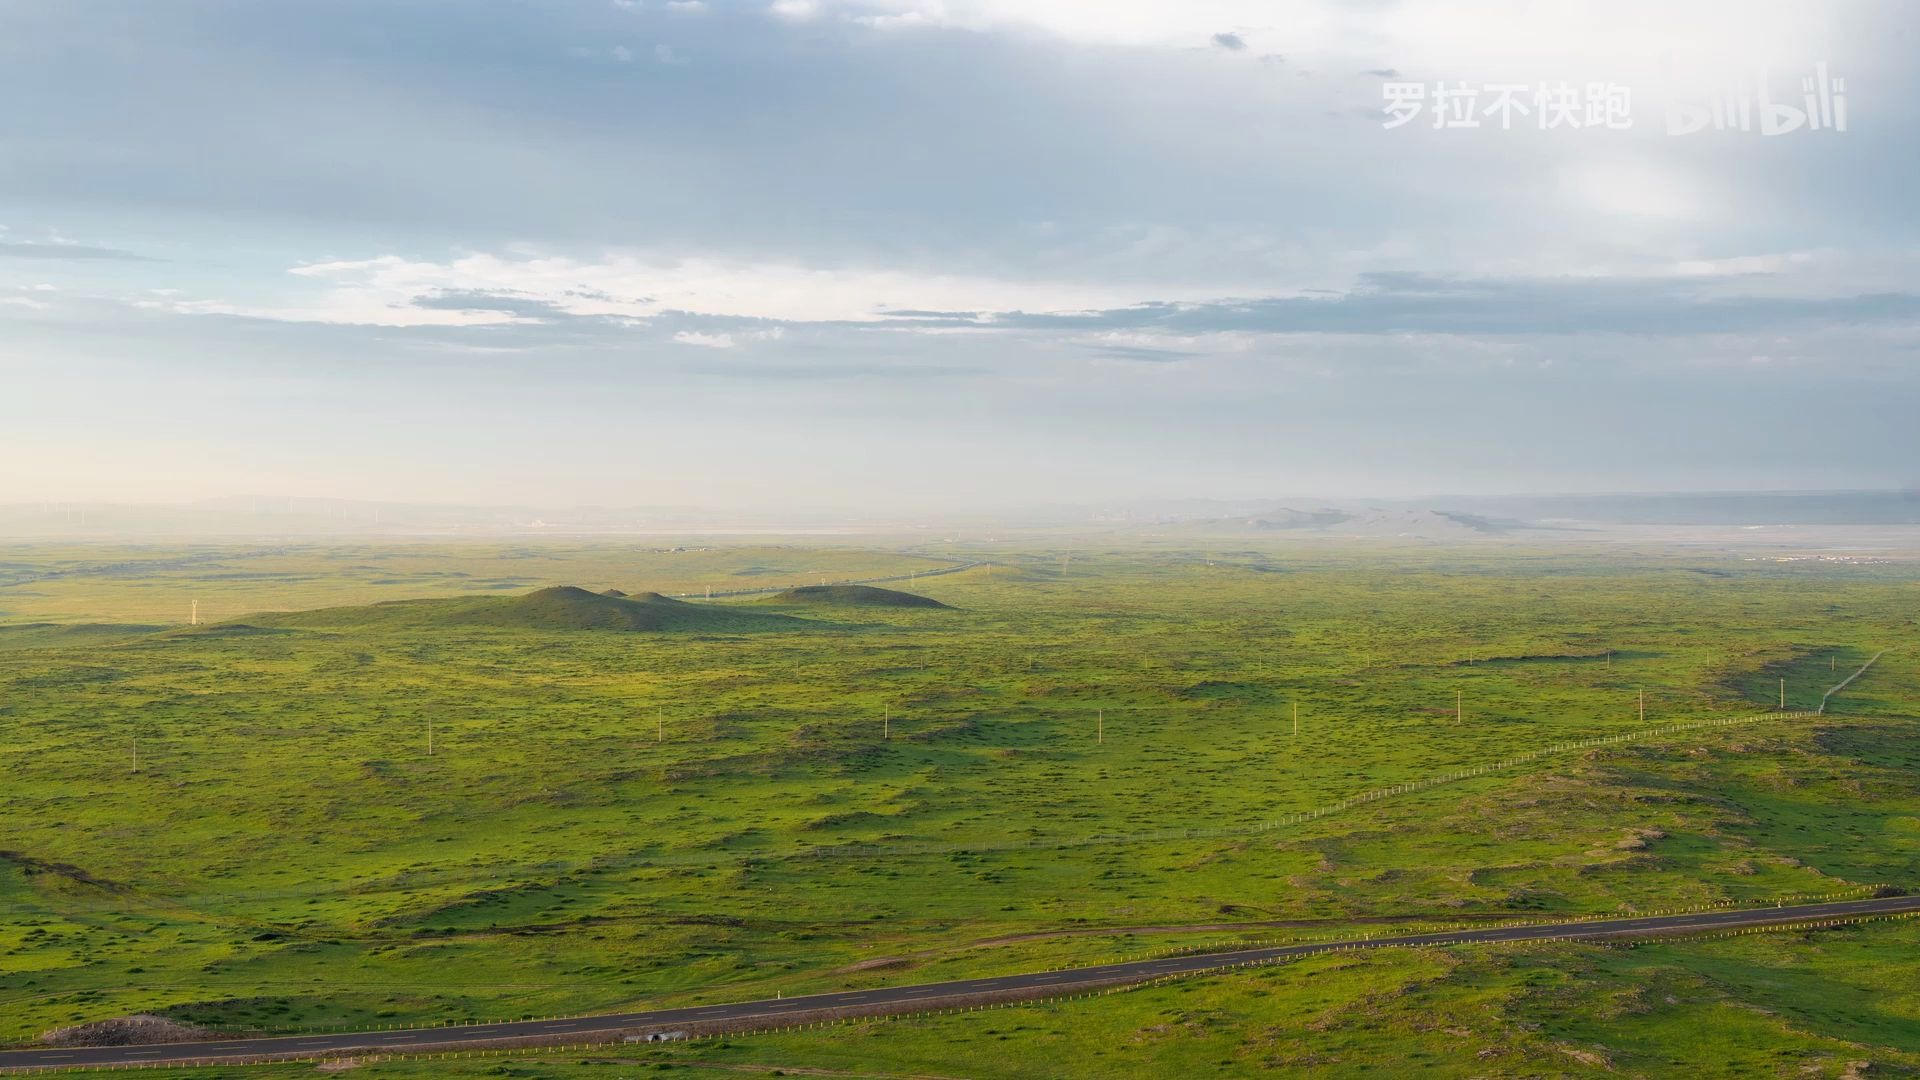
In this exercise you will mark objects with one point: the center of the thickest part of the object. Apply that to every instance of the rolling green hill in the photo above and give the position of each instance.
(562, 607)
(852, 596)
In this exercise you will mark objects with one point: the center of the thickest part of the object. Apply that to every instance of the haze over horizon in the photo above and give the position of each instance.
(940, 255)
(284, 502)
(1541, 517)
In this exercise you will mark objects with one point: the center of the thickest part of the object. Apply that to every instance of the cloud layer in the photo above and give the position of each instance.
(1077, 250)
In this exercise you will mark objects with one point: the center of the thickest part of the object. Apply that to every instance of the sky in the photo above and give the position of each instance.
(953, 254)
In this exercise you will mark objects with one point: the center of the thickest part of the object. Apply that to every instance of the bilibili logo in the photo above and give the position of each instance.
(1822, 106)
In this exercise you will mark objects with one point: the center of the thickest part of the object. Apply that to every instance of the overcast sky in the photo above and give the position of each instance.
(947, 254)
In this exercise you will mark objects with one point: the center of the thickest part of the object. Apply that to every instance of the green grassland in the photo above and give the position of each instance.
(1082, 759)
(1830, 1003)
(158, 584)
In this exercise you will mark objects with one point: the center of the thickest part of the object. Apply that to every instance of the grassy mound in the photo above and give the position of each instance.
(562, 607)
(223, 630)
(852, 596)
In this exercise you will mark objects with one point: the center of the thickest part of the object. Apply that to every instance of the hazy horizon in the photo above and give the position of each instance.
(264, 501)
(1845, 518)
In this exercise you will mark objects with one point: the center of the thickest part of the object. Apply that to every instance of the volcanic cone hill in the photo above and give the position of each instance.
(852, 596)
(562, 607)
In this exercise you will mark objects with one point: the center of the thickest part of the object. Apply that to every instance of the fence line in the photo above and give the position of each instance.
(1844, 683)
(607, 1040)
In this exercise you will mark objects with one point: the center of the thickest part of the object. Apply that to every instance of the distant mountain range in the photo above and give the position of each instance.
(1710, 508)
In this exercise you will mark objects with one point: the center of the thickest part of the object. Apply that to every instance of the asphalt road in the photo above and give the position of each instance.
(607, 1028)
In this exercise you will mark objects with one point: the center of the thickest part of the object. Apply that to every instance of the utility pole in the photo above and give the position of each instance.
(1100, 726)
(194, 618)
(1459, 706)
(660, 725)
(1643, 704)
(1296, 719)
(886, 721)
(1609, 659)
(1783, 691)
